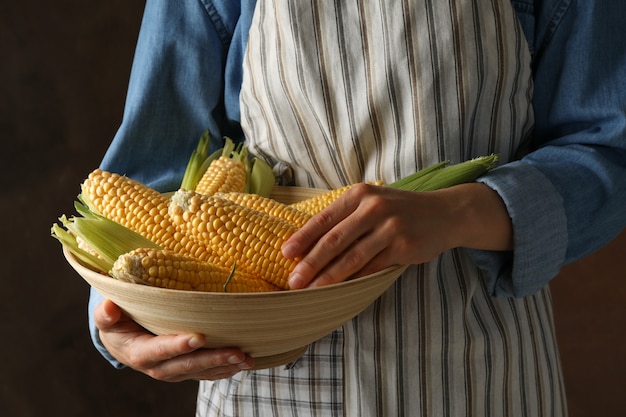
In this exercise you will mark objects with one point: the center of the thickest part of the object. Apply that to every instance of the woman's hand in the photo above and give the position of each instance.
(370, 228)
(167, 358)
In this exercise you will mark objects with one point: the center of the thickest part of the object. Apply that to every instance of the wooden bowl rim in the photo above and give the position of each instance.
(97, 277)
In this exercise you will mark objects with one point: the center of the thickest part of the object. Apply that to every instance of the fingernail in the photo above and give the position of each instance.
(234, 359)
(295, 281)
(289, 250)
(195, 342)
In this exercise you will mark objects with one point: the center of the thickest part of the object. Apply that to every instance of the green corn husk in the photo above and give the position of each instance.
(442, 175)
(104, 237)
(193, 171)
(460, 173)
(412, 182)
(261, 178)
(68, 240)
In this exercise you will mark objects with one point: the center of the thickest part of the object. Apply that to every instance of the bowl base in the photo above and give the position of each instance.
(265, 362)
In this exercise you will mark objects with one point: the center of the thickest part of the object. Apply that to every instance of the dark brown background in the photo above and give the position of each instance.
(63, 77)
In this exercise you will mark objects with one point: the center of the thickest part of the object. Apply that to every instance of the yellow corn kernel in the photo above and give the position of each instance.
(166, 269)
(236, 234)
(314, 205)
(223, 175)
(269, 206)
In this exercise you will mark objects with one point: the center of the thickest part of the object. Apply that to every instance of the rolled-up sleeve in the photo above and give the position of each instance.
(566, 197)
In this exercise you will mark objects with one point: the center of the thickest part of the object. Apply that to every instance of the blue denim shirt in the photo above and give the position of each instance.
(566, 196)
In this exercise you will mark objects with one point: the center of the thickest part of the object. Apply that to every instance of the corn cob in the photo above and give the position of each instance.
(223, 175)
(259, 176)
(314, 205)
(139, 208)
(269, 206)
(166, 269)
(236, 234)
(129, 203)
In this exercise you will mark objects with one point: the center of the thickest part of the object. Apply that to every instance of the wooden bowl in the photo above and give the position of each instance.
(274, 327)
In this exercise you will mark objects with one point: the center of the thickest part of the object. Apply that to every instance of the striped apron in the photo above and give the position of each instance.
(341, 91)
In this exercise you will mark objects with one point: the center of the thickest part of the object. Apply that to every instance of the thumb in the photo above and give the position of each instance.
(107, 314)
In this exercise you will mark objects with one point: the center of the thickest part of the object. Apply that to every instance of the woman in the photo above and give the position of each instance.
(342, 92)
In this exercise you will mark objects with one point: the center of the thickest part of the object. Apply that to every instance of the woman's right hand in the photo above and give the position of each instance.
(168, 358)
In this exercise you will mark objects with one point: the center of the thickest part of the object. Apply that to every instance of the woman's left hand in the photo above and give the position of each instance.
(370, 228)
